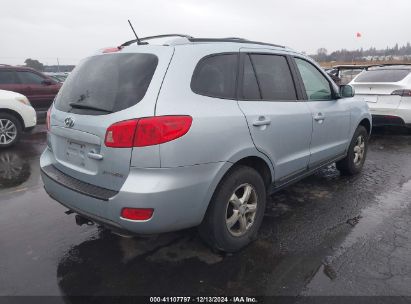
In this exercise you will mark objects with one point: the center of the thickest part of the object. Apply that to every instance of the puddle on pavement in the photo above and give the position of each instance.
(176, 262)
(14, 171)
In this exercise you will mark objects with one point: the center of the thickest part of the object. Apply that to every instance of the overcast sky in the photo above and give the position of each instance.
(72, 29)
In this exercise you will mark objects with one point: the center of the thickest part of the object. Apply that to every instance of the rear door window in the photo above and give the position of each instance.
(382, 75)
(272, 76)
(107, 83)
(8, 77)
(216, 76)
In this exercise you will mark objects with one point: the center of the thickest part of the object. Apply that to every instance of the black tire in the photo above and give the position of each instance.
(214, 229)
(348, 166)
(17, 124)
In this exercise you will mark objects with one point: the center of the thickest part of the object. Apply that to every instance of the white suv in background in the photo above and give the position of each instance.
(16, 116)
(387, 90)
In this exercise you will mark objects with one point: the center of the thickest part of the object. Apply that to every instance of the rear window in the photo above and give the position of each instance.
(107, 83)
(216, 76)
(382, 76)
(30, 78)
(7, 77)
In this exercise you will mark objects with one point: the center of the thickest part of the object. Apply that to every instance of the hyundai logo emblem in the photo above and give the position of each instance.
(69, 122)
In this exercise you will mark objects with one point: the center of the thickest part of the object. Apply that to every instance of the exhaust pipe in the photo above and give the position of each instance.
(80, 220)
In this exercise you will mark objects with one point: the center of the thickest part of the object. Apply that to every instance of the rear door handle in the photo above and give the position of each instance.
(262, 121)
(95, 156)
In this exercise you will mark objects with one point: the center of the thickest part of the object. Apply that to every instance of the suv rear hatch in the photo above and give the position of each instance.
(376, 87)
(102, 90)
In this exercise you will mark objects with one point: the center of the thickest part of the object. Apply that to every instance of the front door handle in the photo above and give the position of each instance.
(262, 121)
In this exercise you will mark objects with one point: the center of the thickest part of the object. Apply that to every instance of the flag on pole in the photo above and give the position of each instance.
(358, 35)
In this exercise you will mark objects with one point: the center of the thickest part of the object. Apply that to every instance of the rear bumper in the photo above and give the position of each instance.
(179, 196)
(399, 115)
(387, 120)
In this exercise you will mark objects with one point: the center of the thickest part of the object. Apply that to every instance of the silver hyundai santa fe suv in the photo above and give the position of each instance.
(147, 138)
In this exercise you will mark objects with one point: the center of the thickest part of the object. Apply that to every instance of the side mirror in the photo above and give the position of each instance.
(47, 82)
(346, 91)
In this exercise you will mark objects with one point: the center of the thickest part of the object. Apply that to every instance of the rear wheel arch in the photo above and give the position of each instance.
(213, 229)
(259, 164)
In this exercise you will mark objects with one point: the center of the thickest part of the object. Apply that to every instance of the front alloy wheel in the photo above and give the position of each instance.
(359, 150)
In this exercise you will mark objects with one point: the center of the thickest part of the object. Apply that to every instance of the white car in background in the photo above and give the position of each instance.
(387, 90)
(16, 116)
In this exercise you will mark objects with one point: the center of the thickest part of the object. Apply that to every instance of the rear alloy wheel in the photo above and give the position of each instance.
(241, 210)
(10, 130)
(236, 210)
(354, 161)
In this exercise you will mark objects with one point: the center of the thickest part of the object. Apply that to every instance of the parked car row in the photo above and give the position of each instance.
(387, 90)
(16, 116)
(37, 87)
(343, 74)
(58, 76)
(24, 94)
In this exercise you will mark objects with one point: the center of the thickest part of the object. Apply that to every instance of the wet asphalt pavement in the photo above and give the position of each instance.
(326, 235)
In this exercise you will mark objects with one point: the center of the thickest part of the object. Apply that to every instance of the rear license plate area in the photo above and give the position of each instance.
(75, 153)
(371, 99)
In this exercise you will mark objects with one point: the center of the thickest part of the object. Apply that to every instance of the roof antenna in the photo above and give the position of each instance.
(132, 28)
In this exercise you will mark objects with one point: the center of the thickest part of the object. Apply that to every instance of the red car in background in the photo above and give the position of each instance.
(37, 87)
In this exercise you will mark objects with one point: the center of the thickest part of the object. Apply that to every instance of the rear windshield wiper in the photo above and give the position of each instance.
(85, 106)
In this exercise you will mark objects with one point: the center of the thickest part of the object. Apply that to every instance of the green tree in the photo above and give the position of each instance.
(34, 64)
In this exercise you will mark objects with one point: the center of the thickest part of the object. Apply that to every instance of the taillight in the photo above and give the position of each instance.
(405, 93)
(48, 119)
(161, 129)
(147, 131)
(121, 134)
(137, 214)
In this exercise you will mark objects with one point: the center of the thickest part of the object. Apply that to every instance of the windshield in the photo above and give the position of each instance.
(382, 75)
(107, 83)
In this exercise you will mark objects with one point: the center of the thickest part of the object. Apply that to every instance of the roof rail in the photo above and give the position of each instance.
(233, 39)
(192, 39)
(155, 37)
